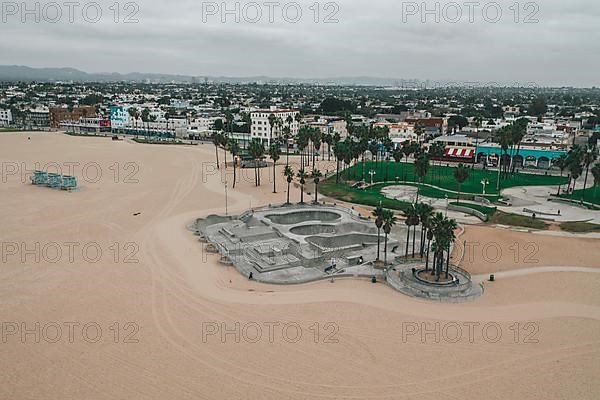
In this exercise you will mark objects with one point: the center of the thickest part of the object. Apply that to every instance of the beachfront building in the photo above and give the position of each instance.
(464, 148)
(93, 125)
(261, 128)
(327, 125)
(5, 117)
(399, 132)
(57, 115)
(37, 117)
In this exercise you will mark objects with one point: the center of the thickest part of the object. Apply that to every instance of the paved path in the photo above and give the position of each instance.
(535, 198)
(535, 270)
(409, 194)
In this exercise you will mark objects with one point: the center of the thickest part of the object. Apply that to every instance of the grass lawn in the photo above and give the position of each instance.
(369, 197)
(435, 193)
(163, 142)
(8, 130)
(502, 218)
(579, 227)
(87, 134)
(443, 177)
(482, 209)
(592, 195)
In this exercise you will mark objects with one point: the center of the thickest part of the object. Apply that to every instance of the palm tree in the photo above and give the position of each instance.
(234, 149)
(256, 150)
(412, 219)
(425, 212)
(146, 119)
(407, 150)
(389, 220)
(224, 141)
(518, 133)
(419, 130)
(288, 172)
(596, 175)
(302, 140)
(574, 160)
(443, 230)
(421, 168)
(302, 176)
(378, 214)
(397, 154)
(590, 155)
(436, 151)
(328, 138)
(275, 154)
(339, 151)
(287, 135)
(561, 163)
(216, 139)
(272, 122)
(461, 174)
(317, 140)
(449, 227)
(135, 114)
(316, 175)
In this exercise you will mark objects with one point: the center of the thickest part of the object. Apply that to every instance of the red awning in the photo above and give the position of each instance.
(463, 152)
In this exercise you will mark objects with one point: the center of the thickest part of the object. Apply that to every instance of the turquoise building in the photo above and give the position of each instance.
(527, 157)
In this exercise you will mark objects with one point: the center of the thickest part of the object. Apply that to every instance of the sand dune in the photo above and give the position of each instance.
(533, 336)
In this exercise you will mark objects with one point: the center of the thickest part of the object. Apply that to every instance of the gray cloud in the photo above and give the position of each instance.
(371, 38)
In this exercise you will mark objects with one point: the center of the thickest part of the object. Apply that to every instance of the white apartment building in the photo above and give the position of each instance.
(5, 117)
(399, 132)
(201, 125)
(261, 128)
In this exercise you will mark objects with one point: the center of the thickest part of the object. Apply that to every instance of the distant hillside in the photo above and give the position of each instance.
(13, 73)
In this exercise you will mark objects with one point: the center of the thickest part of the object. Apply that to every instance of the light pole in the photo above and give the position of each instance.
(372, 172)
(485, 182)
(226, 209)
(446, 197)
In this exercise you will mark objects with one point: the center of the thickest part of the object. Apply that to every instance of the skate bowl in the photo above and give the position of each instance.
(299, 217)
(343, 241)
(310, 230)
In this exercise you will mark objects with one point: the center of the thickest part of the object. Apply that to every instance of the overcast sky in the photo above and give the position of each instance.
(382, 38)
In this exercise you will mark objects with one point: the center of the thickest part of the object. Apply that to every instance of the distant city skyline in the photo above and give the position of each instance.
(384, 39)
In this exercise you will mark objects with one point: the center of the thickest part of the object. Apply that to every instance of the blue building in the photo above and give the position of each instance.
(527, 157)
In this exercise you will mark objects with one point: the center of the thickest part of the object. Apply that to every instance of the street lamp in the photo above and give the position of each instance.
(485, 182)
(446, 197)
(226, 210)
(372, 172)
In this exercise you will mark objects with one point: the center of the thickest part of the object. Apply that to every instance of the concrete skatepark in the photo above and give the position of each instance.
(307, 243)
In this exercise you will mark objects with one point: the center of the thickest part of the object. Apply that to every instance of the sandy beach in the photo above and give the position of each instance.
(144, 313)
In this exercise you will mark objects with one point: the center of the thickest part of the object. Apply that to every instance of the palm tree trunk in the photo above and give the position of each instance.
(447, 262)
(414, 237)
(217, 155)
(301, 194)
(407, 240)
(587, 170)
(274, 177)
(234, 173)
(427, 257)
(378, 241)
(288, 193)
(422, 246)
(560, 184)
(385, 250)
(316, 193)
